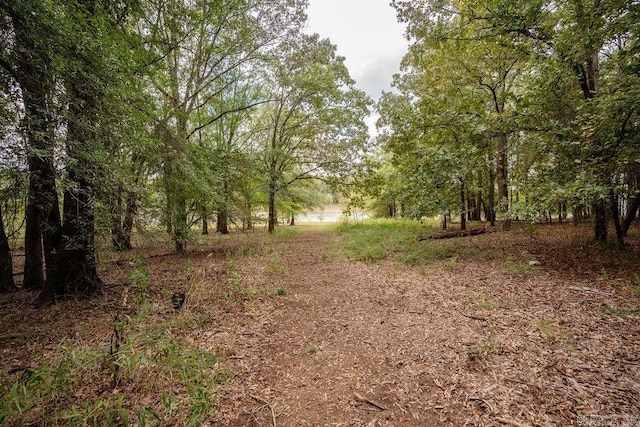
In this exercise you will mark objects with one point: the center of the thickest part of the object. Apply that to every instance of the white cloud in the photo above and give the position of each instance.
(367, 34)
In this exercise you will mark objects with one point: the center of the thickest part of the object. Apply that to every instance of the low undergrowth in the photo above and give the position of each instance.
(373, 240)
(144, 373)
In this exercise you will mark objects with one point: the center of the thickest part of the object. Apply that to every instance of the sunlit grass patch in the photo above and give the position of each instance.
(286, 231)
(373, 240)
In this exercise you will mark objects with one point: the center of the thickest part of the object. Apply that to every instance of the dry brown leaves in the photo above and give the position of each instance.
(483, 340)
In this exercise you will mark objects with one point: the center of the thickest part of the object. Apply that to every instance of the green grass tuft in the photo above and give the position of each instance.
(374, 240)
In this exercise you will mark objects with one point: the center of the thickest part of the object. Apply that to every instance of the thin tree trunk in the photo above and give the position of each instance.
(463, 213)
(248, 219)
(129, 216)
(632, 209)
(470, 206)
(7, 283)
(205, 222)
(492, 199)
(560, 214)
(273, 219)
(180, 229)
(117, 234)
(616, 218)
(479, 198)
(501, 176)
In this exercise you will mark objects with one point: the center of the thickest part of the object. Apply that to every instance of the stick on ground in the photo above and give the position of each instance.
(266, 402)
(360, 398)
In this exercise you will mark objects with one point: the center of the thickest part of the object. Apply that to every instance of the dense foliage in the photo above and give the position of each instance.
(516, 110)
(147, 113)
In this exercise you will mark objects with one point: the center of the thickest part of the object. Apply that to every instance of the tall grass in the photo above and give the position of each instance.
(374, 240)
(146, 373)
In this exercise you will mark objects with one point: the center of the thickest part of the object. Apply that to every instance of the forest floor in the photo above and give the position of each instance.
(304, 336)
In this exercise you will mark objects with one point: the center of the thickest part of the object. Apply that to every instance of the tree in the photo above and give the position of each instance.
(29, 63)
(6, 264)
(571, 94)
(315, 120)
(441, 127)
(66, 62)
(207, 47)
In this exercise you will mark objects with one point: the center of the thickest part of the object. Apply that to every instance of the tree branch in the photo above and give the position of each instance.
(224, 113)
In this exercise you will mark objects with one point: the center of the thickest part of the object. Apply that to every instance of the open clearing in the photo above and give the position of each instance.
(304, 336)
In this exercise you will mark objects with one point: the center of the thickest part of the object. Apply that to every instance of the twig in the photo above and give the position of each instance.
(361, 398)
(509, 422)
(479, 399)
(474, 317)
(575, 384)
(588, 290)
(18, 369)
(452, 234)
(273, 413)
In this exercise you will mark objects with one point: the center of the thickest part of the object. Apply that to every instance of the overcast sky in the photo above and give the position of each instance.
(367, 34)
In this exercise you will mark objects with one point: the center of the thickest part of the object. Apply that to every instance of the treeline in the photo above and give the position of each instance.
(514, 109)
(165, 112)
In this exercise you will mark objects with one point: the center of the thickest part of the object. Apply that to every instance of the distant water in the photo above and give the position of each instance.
(327, 216)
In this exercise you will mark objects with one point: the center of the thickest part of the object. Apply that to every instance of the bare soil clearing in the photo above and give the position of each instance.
(310, 338)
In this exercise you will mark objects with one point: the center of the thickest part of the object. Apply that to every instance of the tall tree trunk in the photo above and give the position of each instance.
(33, 70)
(273, 220)
(613, 200)
(492, 199)
(222, 226)
(129, 216)
(74, 255)
(478, 213)
(632, 209)
(586, 70)
(122, 222)
(115, 210)
(205, 221)
(248, 219)
(7, 283)
(600, 221)
(33, 261)
(463, 205)
(501, 177)
(180, 228)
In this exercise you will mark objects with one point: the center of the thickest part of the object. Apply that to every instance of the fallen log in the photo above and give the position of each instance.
(452, 234)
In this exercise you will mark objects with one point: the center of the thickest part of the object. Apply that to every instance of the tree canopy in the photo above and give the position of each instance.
(527, 108)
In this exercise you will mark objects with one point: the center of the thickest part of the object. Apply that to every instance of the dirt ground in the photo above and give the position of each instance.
(482, 339)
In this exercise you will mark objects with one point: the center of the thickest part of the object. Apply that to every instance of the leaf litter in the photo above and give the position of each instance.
(306, 337)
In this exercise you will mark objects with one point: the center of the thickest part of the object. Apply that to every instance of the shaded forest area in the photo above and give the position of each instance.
(163, 114)
(508, 110)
